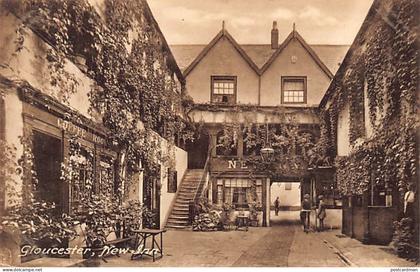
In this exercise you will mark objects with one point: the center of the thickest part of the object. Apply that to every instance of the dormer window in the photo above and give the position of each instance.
(223, 89)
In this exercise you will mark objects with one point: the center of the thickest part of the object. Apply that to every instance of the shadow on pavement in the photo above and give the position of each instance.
(285, 218)
(284, 222)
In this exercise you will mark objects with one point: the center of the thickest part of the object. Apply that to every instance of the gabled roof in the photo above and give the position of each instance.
(295, 35)
(331, 55)
(220, 35)
(259, 53)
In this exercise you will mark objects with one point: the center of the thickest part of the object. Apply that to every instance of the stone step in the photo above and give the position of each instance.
(171, 226)
(182, 204)
(190, 181)
(177, 222)
(182, 201)
(178, 217)
(186, 191)
(180, 213)
(181, 210)
(186, 196)
(183, 197)
(188, 187)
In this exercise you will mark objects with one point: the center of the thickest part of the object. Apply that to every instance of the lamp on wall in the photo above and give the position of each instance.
(267, 151)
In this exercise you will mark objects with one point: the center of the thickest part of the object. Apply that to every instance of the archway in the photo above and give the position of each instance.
(289, 192)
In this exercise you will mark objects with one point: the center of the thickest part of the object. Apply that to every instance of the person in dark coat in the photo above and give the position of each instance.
(277, 206)
(305, 212)
(321, 212)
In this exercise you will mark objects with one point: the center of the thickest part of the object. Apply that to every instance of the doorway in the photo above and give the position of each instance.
(197, 151)
(48, 156)
(151, 197)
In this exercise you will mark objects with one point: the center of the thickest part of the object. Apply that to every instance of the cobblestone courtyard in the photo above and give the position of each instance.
(283, 244)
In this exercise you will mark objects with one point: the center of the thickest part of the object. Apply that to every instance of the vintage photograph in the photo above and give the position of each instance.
(213, 133)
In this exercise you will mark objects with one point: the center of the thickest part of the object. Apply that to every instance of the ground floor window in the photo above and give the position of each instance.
(82, 187)
(86, 171)
(380, 196)
(106, 177)
(238, 192)
(96, 175)
(47, 152)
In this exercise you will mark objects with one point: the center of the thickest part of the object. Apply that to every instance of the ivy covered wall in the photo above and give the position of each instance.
(136, 85)
(111, 58)
(382, 67)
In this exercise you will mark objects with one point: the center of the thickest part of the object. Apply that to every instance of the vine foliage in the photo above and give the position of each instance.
(382, 69)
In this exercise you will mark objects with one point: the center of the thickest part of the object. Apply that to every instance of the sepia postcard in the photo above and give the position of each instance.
(161, 134)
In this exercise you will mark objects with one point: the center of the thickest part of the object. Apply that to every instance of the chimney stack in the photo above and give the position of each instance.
(274, 36)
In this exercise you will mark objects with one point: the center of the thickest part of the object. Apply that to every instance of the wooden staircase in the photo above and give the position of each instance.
(178, 219)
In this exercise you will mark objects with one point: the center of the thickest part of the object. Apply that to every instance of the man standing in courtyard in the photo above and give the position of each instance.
(305, 212)
(321, 212)
(277, 206)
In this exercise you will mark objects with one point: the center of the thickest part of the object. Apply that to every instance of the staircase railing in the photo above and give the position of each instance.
(199, 190)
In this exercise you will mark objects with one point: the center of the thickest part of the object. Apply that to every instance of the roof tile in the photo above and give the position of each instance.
(331, 55)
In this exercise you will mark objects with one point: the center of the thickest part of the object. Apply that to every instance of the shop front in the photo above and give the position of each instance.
(55, 141)
(234, 185)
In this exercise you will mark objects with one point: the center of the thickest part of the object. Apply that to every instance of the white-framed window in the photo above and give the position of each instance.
(223, 89)
(293, 90)
(238, 191)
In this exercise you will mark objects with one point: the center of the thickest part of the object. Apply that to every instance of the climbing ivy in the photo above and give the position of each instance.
(293, 143)
(384, 64)
(123, 51)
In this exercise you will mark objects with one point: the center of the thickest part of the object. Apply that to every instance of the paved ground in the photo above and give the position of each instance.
(283, 244)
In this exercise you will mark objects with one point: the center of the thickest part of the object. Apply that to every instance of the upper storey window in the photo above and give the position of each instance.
(223, 89)
(293, 90)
